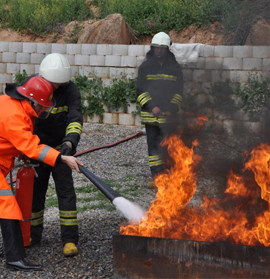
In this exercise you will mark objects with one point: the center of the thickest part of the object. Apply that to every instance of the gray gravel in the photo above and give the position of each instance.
(126, 163)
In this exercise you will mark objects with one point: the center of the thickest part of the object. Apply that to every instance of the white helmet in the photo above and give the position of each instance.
(55, 68)
(161, 39)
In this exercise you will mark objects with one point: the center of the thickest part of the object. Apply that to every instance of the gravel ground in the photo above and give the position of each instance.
(126, 163)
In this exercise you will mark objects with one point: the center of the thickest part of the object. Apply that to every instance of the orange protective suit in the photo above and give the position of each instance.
(16, 137)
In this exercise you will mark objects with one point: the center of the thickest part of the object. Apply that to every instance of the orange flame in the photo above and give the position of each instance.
(242, 217)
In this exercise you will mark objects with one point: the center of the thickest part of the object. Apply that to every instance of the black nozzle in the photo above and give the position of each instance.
(104, 188)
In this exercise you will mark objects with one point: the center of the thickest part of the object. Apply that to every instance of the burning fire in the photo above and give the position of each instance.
(241, 217)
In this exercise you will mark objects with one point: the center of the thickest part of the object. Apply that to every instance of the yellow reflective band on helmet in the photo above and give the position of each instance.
(74, 127)
(161, 77)
(144, 98)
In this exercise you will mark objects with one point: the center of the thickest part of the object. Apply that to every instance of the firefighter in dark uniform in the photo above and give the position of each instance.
(61, 130)
(159, 93)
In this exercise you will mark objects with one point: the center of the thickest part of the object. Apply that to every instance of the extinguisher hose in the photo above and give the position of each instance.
(102, 186)
(109, 145)
(94, 149)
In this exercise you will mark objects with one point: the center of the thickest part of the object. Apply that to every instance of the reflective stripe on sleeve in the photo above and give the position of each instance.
(6, 192)
(43, 153)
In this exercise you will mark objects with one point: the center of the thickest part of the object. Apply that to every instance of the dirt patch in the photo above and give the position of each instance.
(206, 35)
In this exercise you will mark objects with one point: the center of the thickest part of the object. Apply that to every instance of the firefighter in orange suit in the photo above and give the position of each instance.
(19, 107)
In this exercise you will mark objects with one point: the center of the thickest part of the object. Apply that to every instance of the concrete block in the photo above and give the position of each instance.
(82, 60)
(74, 70)
(112, 60)
(130, 73)
(101, 72)
(2, 88)
(97, 60)
(59, 48)
(207, 51)
(23, 57)
(44, 48)
(121, 50)
(9, 57)
(187, 75)
(126, 119)
(214, 63)
(29, 68)
(201, 63)
(219, 75)
(201, 75)
(13, 68)
(252, 64)
(261, 52)
(104, 49)
(36, 58)
(106, 83)
(242, 51)
(132, 108)
(4, 46)
(15, 47)
(3, 67)
(73, 49)
(136, 50)
(238, 76)
(110, 118)
(86, 71)
(140, 59)
(36, 68)
(138, 121)
(146, 49)
(4, 78)
(266, 64)
(95, 119)
(70, 58)
(223, 51)
(233, 63)
(89, 49)
(128, 61)
(116, 72)
(30, 47)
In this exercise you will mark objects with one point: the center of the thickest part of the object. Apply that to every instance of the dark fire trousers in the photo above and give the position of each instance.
(154, 136)
(13, 240)
(62, 176)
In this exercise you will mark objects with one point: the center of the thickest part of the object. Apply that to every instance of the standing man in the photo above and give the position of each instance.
(19, 108)
(61, 130)
(159, 93)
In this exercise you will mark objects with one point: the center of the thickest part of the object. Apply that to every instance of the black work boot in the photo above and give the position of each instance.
(24, 265)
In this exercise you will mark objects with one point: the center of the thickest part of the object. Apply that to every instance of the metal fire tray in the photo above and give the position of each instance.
(147, 257)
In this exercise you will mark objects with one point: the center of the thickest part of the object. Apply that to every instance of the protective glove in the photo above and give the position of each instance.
(66, 148)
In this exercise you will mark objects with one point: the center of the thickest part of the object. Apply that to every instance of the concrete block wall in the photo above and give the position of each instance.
(202, 64)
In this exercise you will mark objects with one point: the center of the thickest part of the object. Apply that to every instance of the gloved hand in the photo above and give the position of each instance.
(66, 148)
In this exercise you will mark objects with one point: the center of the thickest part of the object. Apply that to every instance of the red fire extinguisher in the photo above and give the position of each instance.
(24, 196)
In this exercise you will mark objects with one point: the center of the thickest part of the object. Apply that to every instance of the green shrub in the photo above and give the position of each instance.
(91, 92)
(151, 16)
(19, 77)
(255, 93)
(120, 94)
(41, 17)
